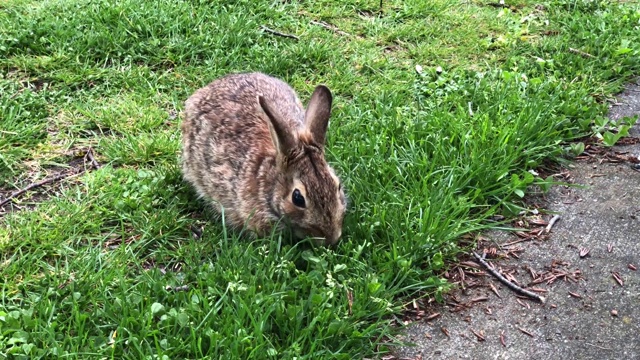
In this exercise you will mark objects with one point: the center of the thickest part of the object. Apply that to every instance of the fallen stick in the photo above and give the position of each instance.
(581, 53)
(551, 223)
(94, 164)
(75, 172)
(524, 331)
(599, 347)
(330, 27)
(516, 242)
(38, 184)
(277, 33)
(480, 336)
(508, 283)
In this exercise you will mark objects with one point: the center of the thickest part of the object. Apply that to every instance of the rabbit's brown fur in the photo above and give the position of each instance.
(248, 145)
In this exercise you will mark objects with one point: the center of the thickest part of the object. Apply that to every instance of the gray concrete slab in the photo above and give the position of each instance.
(599, 319)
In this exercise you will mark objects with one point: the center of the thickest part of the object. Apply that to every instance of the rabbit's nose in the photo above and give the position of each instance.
(333, 238)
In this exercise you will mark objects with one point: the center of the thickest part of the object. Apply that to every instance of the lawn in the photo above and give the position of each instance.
(441, 110)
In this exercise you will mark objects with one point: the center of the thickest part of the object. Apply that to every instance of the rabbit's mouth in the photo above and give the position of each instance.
(319, 236)
(302, 233)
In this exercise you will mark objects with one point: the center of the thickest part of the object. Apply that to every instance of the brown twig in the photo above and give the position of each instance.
(479, 299)
(432, 316)
(65, 175)
(445, 331)
(581, 53)
(516, 242)
(479, 335)
(523, 304)
(539, 290)
(330, 27)
(38, 184)
(470, 264)
(616, 276)
(94, 164)
(575, 295)
(495, 291)
(277, 33)
(13, 96)
(524, 331)
(508, 283)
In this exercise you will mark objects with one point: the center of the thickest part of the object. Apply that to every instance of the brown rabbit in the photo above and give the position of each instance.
(250, 148)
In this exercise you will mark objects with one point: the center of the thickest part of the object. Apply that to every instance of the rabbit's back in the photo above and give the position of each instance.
(226, 138)
(232, 101)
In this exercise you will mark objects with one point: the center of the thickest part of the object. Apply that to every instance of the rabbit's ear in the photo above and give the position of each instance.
(318, 112)
(283, 138)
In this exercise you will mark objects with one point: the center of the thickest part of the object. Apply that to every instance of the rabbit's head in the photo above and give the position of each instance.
(309, 196)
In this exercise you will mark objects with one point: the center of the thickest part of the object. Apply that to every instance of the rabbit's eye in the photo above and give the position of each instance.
(297, 198)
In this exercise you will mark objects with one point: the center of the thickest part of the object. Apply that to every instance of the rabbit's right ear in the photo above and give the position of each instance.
(283, 138)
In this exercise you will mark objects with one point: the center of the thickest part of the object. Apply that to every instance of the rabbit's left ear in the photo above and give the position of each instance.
(316, 118)
(283, 138)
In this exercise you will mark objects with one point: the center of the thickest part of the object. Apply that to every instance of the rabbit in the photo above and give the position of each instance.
(250, 149)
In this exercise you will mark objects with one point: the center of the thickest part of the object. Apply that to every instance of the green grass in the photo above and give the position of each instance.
(106, 265)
